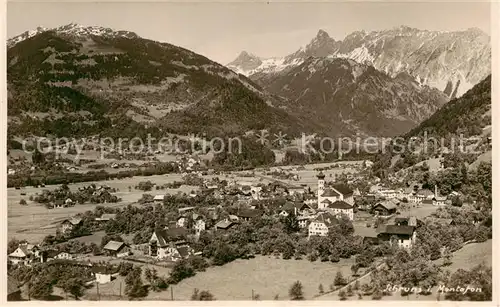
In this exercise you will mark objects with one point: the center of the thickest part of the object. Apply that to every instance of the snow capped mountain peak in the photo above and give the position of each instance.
(245, 62)
(322, 35)
(72, 29)
(450, 61)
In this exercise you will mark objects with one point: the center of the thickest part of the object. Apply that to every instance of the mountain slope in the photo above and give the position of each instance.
(466, 115)
(100, 80)
(349, 98)
(450, 61)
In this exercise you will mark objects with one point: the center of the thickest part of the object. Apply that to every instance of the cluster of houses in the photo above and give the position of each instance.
(414, 194)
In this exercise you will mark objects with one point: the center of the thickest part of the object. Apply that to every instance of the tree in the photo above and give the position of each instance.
(339, 279)
(349, 291)
(296, 291)
(134, 287)
(342, 295)
(74, 286)
(447, 257)
(23, 202)
(356, 285)
(291, 223)
(354, 269)
(13, 245)
(320, 289)
(38, 157)
(41, 287)
(202, 296)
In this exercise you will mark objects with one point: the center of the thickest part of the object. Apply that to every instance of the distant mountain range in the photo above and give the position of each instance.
(452, 62)
(77, 81)
(352, 98)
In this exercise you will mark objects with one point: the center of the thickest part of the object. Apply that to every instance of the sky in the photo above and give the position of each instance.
(220, 31)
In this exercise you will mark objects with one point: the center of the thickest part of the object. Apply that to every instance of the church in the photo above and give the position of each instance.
(337, 199)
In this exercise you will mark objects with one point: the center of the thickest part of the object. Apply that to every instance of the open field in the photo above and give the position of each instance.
(471, 255)
(266, 275)
(33, 222)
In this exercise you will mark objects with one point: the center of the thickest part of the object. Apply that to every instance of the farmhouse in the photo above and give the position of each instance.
(54, 254)
(224, 224)
(21, 255)
(248, 214)
(117, 249)
(69, 225)
(424, 194)
(59, 203)
(405, 235)
(387, 207)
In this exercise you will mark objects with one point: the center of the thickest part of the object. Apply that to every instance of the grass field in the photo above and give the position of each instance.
(33, 222)
(266, 275)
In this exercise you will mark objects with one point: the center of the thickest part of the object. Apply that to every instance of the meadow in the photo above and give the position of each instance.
(267, 276)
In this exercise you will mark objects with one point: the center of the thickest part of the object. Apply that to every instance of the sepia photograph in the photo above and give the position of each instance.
(249, 151)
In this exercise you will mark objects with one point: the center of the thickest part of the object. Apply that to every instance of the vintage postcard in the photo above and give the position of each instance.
(249, 151)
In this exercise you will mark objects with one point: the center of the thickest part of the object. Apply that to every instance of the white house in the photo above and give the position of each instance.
(70, 224)
(340, 207)
(103, 274)
(256, 192)
(404, 235)
(169, 244)
(199, 223)
(320, 225)
(424, 194)
(182, 221)
(159, 198)
(20, 256)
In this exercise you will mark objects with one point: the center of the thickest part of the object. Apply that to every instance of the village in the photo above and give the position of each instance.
(198, 220)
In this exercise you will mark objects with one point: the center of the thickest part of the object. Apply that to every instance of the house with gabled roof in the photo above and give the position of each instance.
(321, 224)
(424, 194)
(248, 214)
(297, 208)
(224, 224)
(339, 208)
(20, 256)
(69, 224)
(404, 235)
(386, 207)
(167, 244)
(117, 249)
